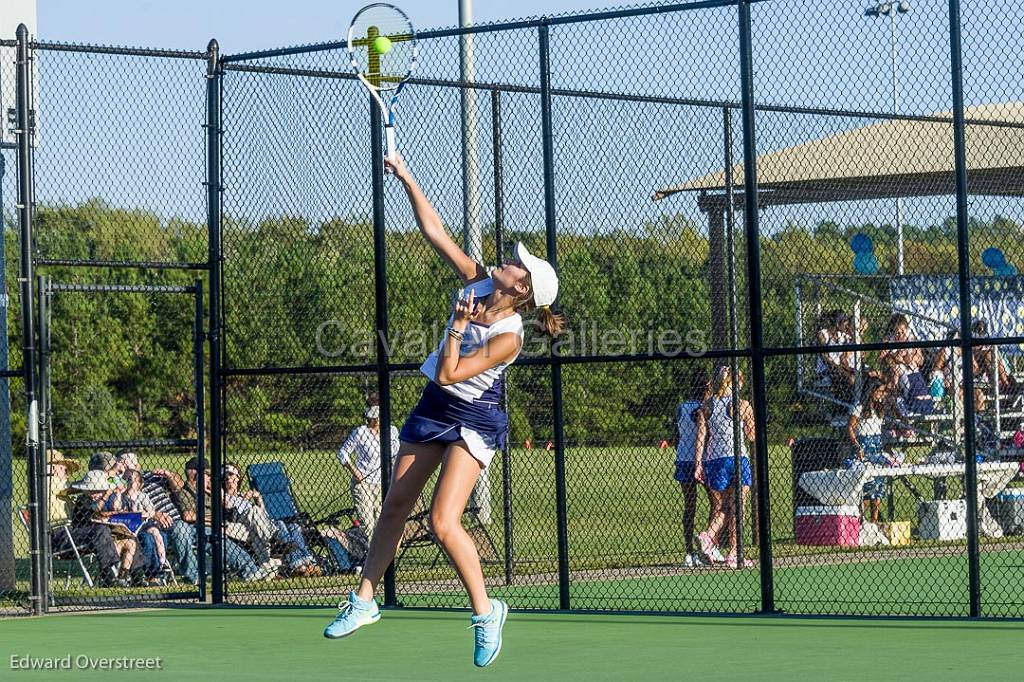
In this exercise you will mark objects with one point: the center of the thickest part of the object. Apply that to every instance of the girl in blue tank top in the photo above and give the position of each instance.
(686, 457)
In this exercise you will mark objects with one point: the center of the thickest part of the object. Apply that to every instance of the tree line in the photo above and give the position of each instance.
(301, 294)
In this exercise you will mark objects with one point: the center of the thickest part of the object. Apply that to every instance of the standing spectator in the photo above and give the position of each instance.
(864, 428)
(364, 442)
(717, 468)
(686, 457)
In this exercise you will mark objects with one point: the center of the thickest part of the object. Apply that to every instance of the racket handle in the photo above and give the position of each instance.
(389, 137)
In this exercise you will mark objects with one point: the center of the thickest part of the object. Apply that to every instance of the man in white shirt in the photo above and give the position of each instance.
(364, 443)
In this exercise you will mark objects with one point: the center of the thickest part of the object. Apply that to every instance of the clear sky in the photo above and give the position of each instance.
(244, 25)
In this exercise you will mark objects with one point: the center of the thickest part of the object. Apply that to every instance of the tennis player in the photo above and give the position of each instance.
(458, 423)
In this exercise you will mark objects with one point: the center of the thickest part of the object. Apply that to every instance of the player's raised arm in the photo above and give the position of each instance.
(431, 226)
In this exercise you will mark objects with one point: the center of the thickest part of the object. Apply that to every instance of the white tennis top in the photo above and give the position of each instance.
(720, 439)
(687, 425)
(486, 386)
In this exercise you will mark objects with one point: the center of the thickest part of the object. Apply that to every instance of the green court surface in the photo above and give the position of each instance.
(286, 644)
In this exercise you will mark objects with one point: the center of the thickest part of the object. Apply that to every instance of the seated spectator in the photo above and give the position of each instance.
(986, 367)
(905, 359)
(835, 370)
(89, 497)
(151, 538)
(864, 428)
(945, 368)
(905, 365)
(247, 509)
(183, 532)
(165, 514)
(88, 537)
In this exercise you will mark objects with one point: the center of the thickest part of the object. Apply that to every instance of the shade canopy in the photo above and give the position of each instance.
(894, 158)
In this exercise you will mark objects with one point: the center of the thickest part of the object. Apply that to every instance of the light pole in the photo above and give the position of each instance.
(472, 230)
(890, 10)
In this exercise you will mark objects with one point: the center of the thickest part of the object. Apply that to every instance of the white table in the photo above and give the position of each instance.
(834, 487)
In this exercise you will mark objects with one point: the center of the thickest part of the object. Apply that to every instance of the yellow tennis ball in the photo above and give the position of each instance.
(382, 44)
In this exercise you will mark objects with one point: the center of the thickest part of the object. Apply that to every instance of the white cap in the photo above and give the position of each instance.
(129, 459)
(542, 275)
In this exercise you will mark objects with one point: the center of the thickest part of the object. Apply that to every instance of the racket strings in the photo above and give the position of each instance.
(388, 69)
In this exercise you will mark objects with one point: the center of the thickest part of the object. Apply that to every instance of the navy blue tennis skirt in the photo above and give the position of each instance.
(440, 417)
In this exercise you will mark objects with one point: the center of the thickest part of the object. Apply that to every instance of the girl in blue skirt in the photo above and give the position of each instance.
(458, 423)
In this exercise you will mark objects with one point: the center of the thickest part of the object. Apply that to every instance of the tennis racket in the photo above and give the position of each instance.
(382, 51)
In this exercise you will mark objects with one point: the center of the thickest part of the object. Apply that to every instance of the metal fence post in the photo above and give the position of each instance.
(43, 400)
(380, 281)
(214, 75)
(966, 332)
(8, 582)
(499, 251)
(200, 403)
(26, 201)
(548, 144)
(751, 223)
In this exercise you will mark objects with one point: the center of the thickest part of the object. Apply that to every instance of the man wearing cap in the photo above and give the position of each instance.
(183, 532)
(261, 533)
(364, 443)
(90, 537)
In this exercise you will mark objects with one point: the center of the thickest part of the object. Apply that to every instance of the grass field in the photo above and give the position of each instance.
(253, 644)
(626, 545)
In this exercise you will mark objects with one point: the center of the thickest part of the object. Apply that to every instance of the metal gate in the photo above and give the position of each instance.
(72, 573)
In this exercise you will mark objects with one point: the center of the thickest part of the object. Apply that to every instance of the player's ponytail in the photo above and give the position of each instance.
(551, 322)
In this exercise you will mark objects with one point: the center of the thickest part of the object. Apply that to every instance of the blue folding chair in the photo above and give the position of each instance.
(271, 480)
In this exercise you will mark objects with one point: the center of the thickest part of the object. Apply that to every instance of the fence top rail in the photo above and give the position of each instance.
(117, 50)
(122, 288)
(125, 264)
(495, 27)
(627, 97)
(179, 443)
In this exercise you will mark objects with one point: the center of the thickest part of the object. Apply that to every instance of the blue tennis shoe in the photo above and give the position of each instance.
(352, 615)
(488, 633)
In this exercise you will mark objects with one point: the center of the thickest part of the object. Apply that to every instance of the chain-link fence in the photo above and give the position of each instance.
(787, 241)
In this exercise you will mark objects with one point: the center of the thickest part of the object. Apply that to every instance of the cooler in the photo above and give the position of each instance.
(1008, 510)
(942, 520)
(897, 532)
(837, 526)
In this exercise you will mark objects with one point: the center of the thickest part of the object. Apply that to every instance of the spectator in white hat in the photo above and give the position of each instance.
(365, 467)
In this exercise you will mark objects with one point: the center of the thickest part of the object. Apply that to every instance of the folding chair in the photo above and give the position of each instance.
(420, 534)
(64, 555)
(272, 482)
